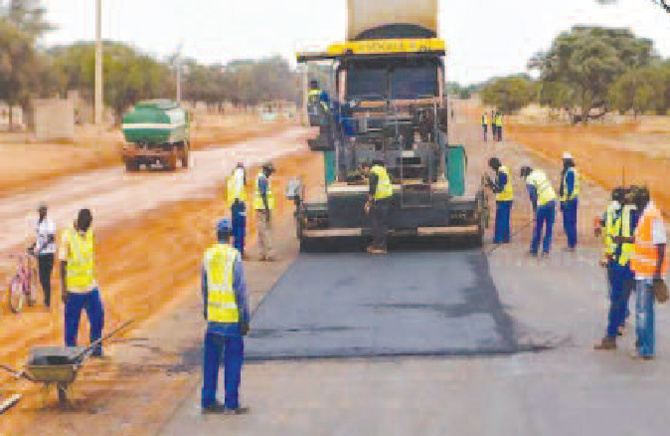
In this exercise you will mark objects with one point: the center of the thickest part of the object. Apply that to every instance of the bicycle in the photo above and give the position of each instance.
(24, 282)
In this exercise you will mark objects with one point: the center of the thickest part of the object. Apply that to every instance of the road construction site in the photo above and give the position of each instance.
(430, 339)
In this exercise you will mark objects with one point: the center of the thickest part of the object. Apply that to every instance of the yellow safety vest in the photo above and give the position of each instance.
(622, 228)
(221, 299)
(258, 199)
(384, 188)
(80, 261)
(508, 193)
(545, 193)
(235, 191)
(499, 120)
(575, 189)
(610, 213)
(485, 120)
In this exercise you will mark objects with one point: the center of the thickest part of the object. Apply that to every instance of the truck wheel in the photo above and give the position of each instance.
(132, 166)
(184, 158)
(171, 161)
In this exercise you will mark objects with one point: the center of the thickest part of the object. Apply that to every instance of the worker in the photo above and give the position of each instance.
(227, 314)
(569, 192)
(620, 225)
(378, 203)
(264, 204)
(485, 125)
(78, 284)
(45, 249)
(650, 265)
(237, 200)
(502, 187)
(493, 125)
(543, 198)
(499, 125)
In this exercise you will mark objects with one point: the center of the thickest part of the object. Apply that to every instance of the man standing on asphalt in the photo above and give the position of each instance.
(569, 192)
(237, 200)
(79, 289)
(499, 124)
(227, 313)
(543, 198)
(502, 187)
(650, 265)
(485, 125)
(378, 204)
(264, 204)
(45, 249)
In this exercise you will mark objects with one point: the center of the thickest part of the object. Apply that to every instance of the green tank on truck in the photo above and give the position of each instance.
(156, 132)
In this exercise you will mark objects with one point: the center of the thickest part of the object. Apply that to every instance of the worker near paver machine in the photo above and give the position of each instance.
(227, 313)
(378, 203)
(569, 192)
(79, 288)
(502, 187)
(543, 199)
(237, 201)
(485, 125)
(45, 249)
(264, 204)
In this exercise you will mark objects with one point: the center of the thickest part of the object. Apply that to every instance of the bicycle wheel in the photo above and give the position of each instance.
(16, 295)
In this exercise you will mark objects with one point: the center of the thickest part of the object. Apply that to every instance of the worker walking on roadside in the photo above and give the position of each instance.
(502, 187)
(79, 288)
(237, 200)
(45, 250)
(264, 204)
(485, 125)
(378, 204)
(494, 135)
(619, 227)
(650, 265)
(569, 192)
(226, 311)
(499, 125)
(543, 198)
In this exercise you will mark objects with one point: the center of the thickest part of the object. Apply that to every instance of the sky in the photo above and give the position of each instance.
(485, 38)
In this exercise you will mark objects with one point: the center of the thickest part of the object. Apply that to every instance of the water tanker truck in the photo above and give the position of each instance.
(391, 106)
(156, 132)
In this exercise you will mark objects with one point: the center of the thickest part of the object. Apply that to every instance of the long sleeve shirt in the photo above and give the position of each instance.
(263, 189)
(532, 191)
(240, 288)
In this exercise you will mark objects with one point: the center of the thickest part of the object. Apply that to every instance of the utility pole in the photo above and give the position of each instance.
(177, 63)
(98, 64)
(305, 116)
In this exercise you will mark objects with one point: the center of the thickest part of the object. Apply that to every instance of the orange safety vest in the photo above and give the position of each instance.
(645, 256)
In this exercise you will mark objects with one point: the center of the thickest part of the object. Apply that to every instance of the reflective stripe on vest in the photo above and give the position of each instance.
(575, 188)
(545, 193)
(235, 189)
(645, 257)
(384, 188)
(610, 214)
(221, 298)
(508, 192)
(485, 120)
(258, 199)
(79, 269)
(499, 120)
(623, 229)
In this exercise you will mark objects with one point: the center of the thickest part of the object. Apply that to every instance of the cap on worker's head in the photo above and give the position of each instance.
(567, 155)
(377, 162)
(240, 164)
(224, 226)
(618, 194)
(269, 167)
(525, 171)
(42, 206)
(494, 163)
(314, 84)
(365, 164)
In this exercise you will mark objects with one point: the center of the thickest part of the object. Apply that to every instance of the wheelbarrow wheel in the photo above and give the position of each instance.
(16, 294)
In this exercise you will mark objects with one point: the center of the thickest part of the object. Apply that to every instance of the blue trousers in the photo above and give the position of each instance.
(621, 281)
(644, 322)
(232, 349)
(570, 221)
(544, 218)
(502, 232)
(91, 302)
(484, 128)
(239, 214)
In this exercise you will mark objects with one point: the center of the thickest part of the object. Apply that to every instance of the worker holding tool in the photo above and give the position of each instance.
(543, 198)
(79, 289)
(378, 203)
(569, 192)
(499, 125)
(264, 204)
(227, 313)
(45, 249)
(237, 200)
(620, 225)
(502, 187)
(485, 125)
(650, 265)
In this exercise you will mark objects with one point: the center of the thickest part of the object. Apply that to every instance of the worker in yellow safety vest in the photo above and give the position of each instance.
(499, 125)
(79, 288)
(378, 203)
(227, 313)
(237, 201)
(569, 192)
(543, 198)
(485, 125)
(502, 187)
(264, 204)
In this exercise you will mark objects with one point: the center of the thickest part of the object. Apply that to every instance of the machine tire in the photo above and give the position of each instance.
(132, 166)
(309, 245)
(184, 158)
(170, 162)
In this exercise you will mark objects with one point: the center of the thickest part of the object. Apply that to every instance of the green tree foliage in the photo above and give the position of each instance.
(509, 94)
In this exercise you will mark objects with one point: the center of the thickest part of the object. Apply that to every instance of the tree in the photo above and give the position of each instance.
(29, 16)
(508, 94)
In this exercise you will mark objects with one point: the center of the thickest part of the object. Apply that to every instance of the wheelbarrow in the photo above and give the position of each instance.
(58, 365)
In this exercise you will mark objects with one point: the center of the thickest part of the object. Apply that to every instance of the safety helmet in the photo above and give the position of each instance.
(567, 155)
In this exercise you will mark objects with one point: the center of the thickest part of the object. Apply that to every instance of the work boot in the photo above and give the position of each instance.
(236, 411)
(607, 343)
(215, 407)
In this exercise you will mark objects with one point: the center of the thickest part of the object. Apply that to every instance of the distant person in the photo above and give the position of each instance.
(45, 250)
(237, 201)
(226, 311)
(452, 114)
(569, 192)
(485, 124)
(502, 187)
(499, 125)
(494, 134)
(378, 203)
(264, 204)
(543, 198)
(79, 288)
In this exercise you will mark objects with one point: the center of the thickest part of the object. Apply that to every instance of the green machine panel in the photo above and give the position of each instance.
(457, 163)
(329, 166)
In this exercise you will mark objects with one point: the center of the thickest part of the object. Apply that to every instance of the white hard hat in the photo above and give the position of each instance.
(567, 155)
